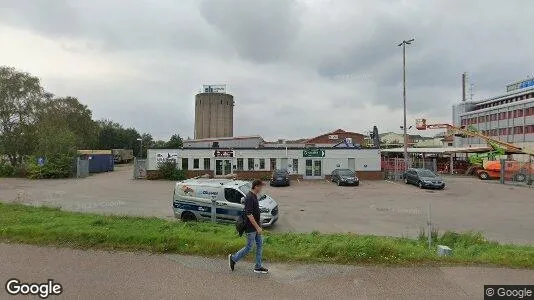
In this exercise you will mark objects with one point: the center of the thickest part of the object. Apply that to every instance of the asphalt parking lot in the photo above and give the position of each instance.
(503, 213)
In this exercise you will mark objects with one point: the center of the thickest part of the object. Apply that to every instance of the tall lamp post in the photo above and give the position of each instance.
(403, 44)
(140, 140)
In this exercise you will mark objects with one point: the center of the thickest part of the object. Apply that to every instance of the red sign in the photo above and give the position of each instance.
(223, 153)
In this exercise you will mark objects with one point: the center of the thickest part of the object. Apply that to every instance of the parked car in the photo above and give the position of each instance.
(280, 178)
(345, 177)
(423, 178)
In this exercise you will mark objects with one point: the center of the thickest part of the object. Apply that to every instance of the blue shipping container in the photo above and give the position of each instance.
(99, 163)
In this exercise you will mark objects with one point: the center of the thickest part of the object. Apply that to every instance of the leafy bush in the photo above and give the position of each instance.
(55, 166)
(169, 170)
(6, 170)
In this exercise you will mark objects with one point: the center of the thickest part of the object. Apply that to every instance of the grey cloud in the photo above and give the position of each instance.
(261, 31)
(295, 62)
(117, 25)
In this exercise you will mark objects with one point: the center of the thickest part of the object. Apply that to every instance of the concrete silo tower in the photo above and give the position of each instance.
(214, 112)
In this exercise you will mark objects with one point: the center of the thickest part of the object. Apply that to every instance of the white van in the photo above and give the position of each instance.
(192, 200)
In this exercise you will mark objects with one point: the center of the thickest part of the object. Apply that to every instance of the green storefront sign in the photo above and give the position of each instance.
(313, 152)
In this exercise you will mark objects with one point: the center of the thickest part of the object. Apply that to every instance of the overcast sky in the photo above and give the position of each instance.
(296, 68)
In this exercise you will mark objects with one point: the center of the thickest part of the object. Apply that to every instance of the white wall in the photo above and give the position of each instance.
(366, 159)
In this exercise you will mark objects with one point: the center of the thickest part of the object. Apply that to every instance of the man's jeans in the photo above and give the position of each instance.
(251, 238)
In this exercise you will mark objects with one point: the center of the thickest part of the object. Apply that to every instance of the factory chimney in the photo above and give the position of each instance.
(464, 79)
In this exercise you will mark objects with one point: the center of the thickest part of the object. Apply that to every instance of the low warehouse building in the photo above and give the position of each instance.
(248, 163)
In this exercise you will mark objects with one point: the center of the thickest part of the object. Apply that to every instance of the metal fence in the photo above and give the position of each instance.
(82, 167)
(139, 168)
(425, 163)
(517, 173)
(394, 168)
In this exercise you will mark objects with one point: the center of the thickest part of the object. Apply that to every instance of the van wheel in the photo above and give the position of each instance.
(188, 216)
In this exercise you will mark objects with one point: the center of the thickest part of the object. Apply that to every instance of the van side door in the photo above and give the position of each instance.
(233, 205)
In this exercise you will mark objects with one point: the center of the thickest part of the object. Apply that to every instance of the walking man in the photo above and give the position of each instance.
(253, 230)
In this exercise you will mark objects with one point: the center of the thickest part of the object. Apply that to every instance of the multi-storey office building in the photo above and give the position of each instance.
(508, 117)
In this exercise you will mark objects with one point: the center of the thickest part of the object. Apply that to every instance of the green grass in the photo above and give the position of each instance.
(51, 226)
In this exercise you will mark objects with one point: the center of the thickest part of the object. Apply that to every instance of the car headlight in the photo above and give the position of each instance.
(264, 210)
(427, 181)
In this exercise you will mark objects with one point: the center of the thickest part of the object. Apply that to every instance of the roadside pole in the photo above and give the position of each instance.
(213, 209)
(429, 224)
(501, 179)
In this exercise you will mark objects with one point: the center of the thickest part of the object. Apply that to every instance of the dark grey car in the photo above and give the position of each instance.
(423, 178)
(345, 177)
(280, 178)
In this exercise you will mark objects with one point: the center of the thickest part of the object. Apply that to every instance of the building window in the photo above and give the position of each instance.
(295, 166)
(240, 164)
(207, 164)
(251, 164)
(185, 163)
(262, 163)
(196, 163)
(273, 163)
(519, 113)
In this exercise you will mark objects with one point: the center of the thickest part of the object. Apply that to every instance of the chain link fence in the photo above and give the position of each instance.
(517, 173)
(139, 168)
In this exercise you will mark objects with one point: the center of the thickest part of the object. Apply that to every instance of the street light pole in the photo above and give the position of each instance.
(407, 163)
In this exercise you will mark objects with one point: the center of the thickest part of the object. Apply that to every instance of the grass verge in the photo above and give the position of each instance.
(51, 226)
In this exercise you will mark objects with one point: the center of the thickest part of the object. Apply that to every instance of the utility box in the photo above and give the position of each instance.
(444, 251)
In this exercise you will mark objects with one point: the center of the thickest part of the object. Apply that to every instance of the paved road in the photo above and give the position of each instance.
(120, 275)
(504, 213)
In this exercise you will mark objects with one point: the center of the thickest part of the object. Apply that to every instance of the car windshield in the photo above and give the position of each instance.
(346, 172)
(245, 188)
(426, 173)
(280, 173)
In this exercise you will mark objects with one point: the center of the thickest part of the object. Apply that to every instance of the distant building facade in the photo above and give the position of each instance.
(508, 117)
(214, 113)
(334, 138)
(251, 157)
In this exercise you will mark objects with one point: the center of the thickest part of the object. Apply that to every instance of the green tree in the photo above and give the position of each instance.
(112, 135)
(175, 142)
(147, 143)
(20, 95)
(56, 140)
(159, 144)
(68, 113)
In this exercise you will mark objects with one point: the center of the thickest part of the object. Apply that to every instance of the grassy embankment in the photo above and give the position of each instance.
(51, 226)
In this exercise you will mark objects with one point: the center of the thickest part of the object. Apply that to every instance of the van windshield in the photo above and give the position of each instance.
(245, 188)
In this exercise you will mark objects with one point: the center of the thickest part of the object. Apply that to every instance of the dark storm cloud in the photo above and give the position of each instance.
(303, 62)
(260, 31)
